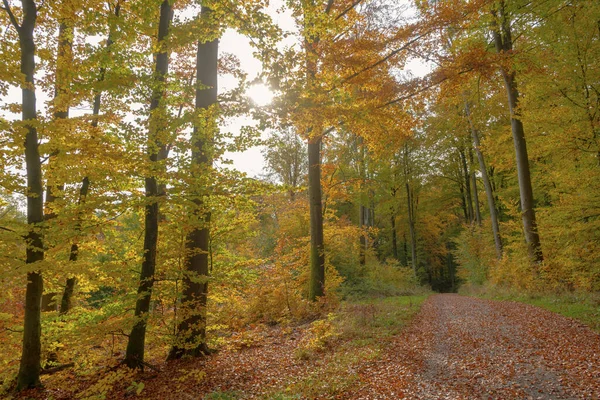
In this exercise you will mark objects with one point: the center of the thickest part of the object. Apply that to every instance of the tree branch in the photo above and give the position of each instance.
(13, 20)
(329, 6)
(377, 63)
(347, 10)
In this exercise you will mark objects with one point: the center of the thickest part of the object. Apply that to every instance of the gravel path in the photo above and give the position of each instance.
(465, 348)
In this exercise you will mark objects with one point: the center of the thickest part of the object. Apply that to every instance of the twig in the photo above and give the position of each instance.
(49, 371)
(12, 17)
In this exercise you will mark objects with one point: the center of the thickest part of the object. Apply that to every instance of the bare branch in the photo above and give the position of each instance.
(347, 10)
(379, 62)
(12, 17)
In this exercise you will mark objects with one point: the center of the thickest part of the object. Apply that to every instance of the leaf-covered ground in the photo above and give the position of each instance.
(455, 348)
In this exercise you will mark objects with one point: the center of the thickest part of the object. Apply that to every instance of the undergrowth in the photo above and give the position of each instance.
(357, 333)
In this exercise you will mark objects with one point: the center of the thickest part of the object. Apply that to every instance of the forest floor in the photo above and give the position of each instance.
(455, 347)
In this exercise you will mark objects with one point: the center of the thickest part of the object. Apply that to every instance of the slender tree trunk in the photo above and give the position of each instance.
(489, 192)
(411, 209)
(64, 59)
(411, 225)
(476, 199)
(467, 185)
(192, 329)
(66, 302)
(67, 298)
(29, 369)
(317, 251)
(404, 250)
(362, 222)
(503, 40)
(134, 355)
(394, 233)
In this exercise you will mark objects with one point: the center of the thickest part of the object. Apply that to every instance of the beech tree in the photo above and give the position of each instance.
(504, 45)
(29, 371)
(192, 329)
(134, 357)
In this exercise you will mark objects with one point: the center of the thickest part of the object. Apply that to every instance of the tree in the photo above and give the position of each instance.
(29, 370)
(192, 329)
(286, 160)
(489, 193)
(504, 46)
(134, 356)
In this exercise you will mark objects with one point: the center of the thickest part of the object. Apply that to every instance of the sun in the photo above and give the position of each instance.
(260, 94)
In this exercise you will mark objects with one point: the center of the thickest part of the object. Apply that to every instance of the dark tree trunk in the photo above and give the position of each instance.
(411, 210)
(29, 369)
(404, 250)
(66, 302)
(192, 330)
(394, 233)
(503, 40)
(64, 59)
(476, 199)
(317, 251)
(489, 191)
(467, 185)
(362, 222)
(411, 225)
(134, 355)
(67, 298)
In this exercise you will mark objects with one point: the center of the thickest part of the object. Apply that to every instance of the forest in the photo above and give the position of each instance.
(132, 244)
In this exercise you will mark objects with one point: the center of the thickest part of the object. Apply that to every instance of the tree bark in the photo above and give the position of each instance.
(192, 329)
(411, 210)
(66, 302)
(30, 365)
(503, 41)
(317, 250)
(64, 58)
(393, 228)
(467, 185)
(476, 199)
(489, 192)
(316, 285)
(134, 355)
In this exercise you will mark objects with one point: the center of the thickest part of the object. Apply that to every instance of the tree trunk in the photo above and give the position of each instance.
(134, 356)
(66, 302)
(67, 298)
(317, 251)
(192, 329)
(64, 59)
(411, 225)
(30, 366)
(362, 222)
(410, 208)
(503, 40)
(476, 199)
(489, 192)
(394, 233)
(467, 185)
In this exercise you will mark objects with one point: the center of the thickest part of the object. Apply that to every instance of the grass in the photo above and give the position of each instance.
(583, 307)
(363, 328)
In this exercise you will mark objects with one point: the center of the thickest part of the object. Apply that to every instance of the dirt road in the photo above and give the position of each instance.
(465, 348)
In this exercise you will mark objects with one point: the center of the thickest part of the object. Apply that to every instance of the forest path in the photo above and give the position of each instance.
(466, 348)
